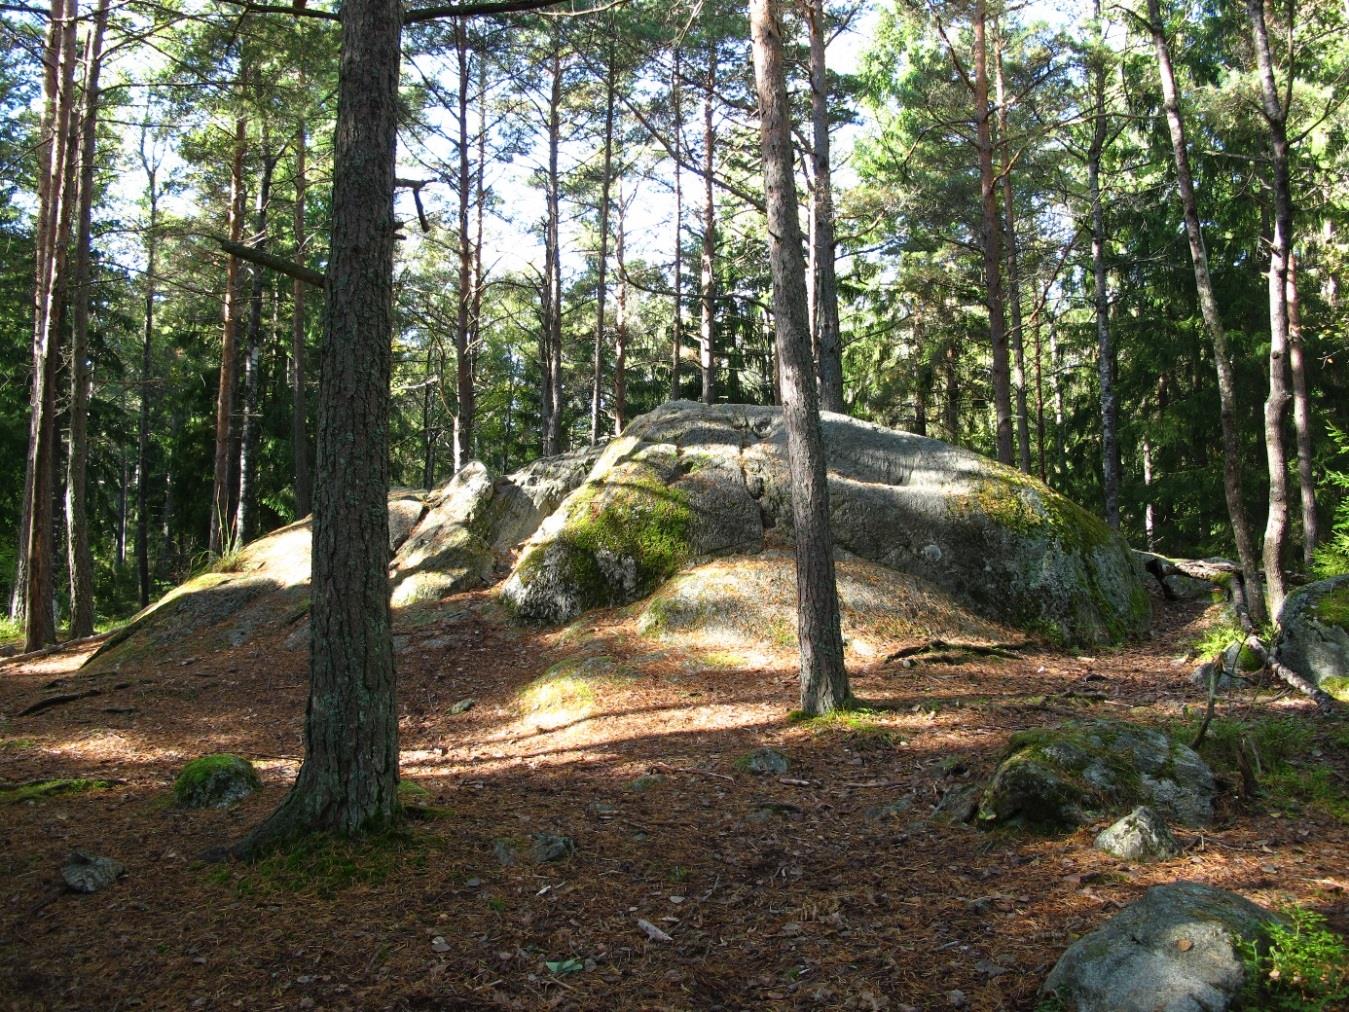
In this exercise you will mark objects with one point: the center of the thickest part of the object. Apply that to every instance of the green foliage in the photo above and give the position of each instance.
(1300, 965)
(1332, 557)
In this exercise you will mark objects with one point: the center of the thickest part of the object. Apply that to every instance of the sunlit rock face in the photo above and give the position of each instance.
(692, 482)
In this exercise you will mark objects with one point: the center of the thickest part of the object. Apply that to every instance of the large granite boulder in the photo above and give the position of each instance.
(691, 481)
(1314, 634)
(1061, 777)
(475, 521)
(1178, 949)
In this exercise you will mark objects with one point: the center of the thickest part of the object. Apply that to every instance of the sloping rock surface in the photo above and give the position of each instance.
(1175, 950)
(451, 539)
(689, 482)
(1314, 634)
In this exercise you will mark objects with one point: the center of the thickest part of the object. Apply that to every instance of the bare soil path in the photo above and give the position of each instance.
(795, 891)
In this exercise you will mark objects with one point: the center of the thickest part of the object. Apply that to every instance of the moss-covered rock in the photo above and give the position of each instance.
(1314, 634)
(1061, 777)
(215, 781)
(689, 482)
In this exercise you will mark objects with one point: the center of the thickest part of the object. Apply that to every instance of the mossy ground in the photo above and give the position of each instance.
(41, 789)
(324, 866)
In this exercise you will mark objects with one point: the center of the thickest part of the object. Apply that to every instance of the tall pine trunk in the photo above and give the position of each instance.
(552, 441)
(602, 280)
(621, 323)
(1105, 349)
(56, 195)
(825, 317)
(707, 282)
(80, 555)
(349, 780)
(1017, 336)
(463, 365)
(992, 230)
(299, 428)
(824, 680)
(1208, 305)
(676, 308)
(224, 402)
(244, 519)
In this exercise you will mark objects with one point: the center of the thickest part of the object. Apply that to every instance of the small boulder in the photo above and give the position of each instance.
(1061, 777)
(551, 847)
(1314, 634)
(86, 873)
(1142, 835)
(763, 762)
(215, 781)
(1178, 949)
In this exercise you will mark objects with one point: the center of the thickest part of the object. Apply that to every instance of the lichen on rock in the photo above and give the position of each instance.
(1061, 777)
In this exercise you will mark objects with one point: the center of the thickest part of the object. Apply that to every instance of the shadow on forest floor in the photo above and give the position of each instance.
(833, 885)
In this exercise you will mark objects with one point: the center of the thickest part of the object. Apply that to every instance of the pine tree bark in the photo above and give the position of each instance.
(1302, 423)
(707, 282)
(348, 782)
(224, 403)
(621, 323)
(602, 280)
(552, 442)
(829, 340)
(1280, 247)
(992, 230)
(1208, 305)
(676, 308)
(824, 680)
(1105, 349)
(244, 520)
(1017, 336)
(80, 555)
(56, 212)
(463, 366)
(299, 428)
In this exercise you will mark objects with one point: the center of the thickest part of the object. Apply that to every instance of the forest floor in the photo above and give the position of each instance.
(801, 889)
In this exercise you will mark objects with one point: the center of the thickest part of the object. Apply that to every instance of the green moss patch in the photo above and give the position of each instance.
(1333, 608)
(215, 781)
(325, 866)
(40, 789)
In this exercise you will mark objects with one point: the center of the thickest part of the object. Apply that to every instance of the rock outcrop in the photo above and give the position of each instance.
(689, 482)
(1314, 634)
(1175, 950)
(454, 538)
(1062, 777)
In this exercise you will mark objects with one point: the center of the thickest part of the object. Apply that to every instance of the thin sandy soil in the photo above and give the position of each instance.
(832, 885)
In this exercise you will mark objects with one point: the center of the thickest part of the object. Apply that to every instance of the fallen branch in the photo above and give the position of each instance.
(55, 648)
(51, 701)
(982, 649)
(1323, 700)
